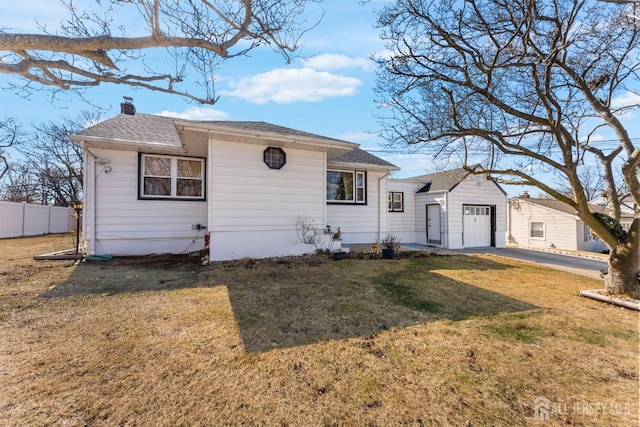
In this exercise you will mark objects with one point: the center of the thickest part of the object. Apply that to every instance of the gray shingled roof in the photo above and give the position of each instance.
(361, 156)
(138, 128)
(160, 129)
(563, 207)
(263, 127)
(147, 128)
(442, 181)
(552, 204)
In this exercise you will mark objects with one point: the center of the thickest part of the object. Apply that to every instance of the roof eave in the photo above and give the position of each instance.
(266, 136)
(123, 144)
(366, 166)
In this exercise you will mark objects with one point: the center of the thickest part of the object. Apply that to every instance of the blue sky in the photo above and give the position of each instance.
(327, 90)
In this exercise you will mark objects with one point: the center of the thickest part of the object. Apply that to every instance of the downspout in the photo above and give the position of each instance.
(380, 203)
(446, 218)
(324, 197)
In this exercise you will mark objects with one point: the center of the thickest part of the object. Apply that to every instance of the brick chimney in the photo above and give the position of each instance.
(525, 195)
(127, 106)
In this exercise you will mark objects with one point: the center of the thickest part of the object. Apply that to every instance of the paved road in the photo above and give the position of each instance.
(583, 266)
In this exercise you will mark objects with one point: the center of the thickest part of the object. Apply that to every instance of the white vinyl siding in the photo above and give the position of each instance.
(362, 223)
(475, 190)
(254, 209)
(125, 225)
(403, 224)
(560, 228)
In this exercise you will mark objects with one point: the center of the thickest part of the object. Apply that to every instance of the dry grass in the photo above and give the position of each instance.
(417, 341)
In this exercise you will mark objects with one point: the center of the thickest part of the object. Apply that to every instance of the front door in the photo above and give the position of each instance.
(433, 225)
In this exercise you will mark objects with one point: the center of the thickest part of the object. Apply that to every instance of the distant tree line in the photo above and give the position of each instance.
(39, 163)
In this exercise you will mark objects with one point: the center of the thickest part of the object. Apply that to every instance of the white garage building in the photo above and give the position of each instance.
(452, 209)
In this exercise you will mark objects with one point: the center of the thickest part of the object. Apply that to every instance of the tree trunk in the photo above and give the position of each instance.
(624, 267)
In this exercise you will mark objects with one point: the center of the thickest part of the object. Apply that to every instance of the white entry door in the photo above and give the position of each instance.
(477, 226)
(433, 225)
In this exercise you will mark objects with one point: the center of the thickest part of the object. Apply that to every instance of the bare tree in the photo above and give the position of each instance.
(524, 87)
(49, 169)
(55, 161)
(92, 46)
(21, 185)
(9, 136)
(592, 181)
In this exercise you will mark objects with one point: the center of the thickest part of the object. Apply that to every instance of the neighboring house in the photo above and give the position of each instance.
(158, 185)
(451, 209)
(627, 208)
(547, 223)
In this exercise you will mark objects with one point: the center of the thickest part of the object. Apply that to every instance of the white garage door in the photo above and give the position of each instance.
(477, 226)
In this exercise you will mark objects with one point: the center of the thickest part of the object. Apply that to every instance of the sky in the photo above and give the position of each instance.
(328, 89)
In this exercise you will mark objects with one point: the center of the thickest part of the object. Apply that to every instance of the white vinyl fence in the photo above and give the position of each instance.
(24, 219)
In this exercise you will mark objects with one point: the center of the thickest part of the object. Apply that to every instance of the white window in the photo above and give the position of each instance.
(396, 201)
(536, 230)
(477, 210)
(163, 177)
(346, 187)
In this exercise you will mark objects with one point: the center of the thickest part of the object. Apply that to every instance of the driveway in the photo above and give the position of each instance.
(583, 266)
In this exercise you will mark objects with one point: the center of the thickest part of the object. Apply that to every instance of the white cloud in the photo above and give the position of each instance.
(329, 61)
(292, 85)
(196, 113)
(383, 54)
(626, 100)
(629, 98)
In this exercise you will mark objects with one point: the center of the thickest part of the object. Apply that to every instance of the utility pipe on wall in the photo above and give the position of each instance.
(90, 170)
(381, 200)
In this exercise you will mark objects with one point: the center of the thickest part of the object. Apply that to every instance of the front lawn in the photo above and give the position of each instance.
(432, 340)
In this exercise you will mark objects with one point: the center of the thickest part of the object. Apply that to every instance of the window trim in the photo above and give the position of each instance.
(174, 178)
(354, 201)
(391, 202)
(544, 230)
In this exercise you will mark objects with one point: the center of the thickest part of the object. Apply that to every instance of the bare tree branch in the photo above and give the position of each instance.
(85, 51)
(521, 87)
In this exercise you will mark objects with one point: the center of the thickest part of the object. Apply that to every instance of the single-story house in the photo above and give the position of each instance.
(452, 209)
(156, 184)
(549, 223)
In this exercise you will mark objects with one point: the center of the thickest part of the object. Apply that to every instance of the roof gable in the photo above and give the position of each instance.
(260, 128)
(446, 180)
(442, 181)
(139, 128)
